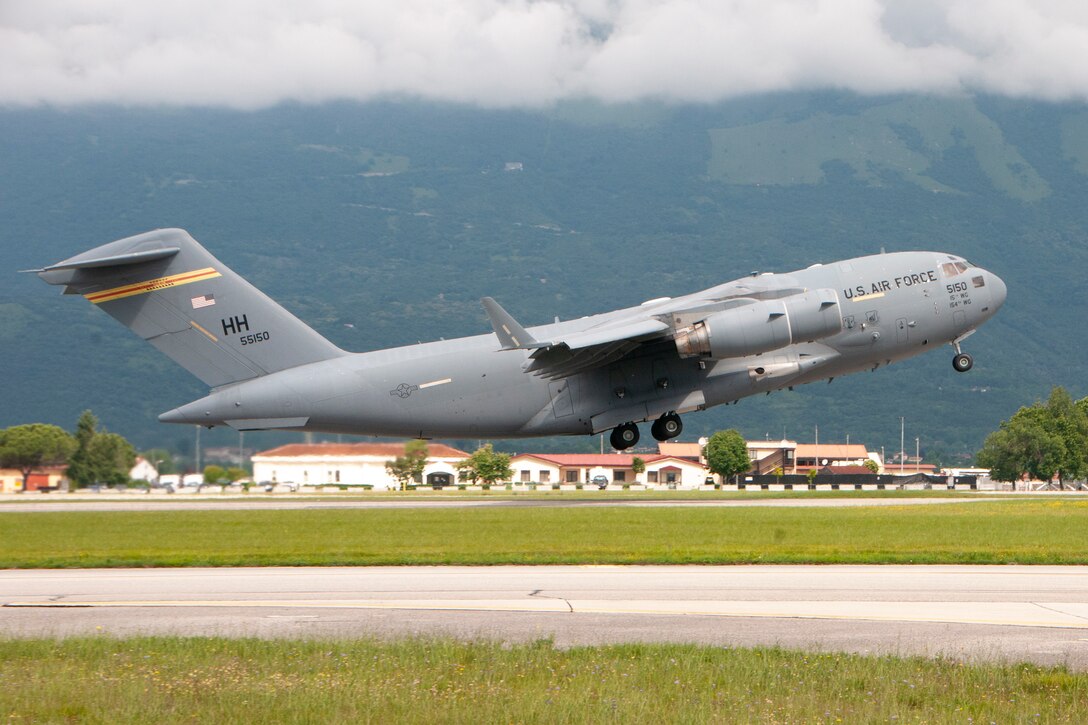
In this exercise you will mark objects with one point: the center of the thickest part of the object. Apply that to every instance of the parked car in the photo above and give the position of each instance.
(600, 482)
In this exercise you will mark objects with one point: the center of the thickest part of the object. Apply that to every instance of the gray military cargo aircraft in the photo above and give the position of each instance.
(666, 357)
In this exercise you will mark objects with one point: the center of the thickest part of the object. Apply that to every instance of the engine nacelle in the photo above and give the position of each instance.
(762, 326)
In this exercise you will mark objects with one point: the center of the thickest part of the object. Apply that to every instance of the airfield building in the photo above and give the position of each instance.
(350, 464)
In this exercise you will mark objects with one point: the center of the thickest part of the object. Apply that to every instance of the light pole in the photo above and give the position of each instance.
(902, 453)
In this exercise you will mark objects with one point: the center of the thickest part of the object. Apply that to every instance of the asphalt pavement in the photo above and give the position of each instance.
(1005, 613)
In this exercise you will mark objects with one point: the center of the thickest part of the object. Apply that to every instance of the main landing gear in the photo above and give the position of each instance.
(667, 426)
(624, 436)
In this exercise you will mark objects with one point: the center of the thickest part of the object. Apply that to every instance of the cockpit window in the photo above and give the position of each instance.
(951, 269)
(961, 266)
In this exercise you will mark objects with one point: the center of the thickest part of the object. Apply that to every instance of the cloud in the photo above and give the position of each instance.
(255, 53)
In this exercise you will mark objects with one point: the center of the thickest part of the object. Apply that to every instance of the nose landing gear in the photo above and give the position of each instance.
(962, 362)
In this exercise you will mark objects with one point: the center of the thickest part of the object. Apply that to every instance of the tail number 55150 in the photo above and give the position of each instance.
(254, 338)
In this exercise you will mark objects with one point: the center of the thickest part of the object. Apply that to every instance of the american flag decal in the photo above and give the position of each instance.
(203, 301)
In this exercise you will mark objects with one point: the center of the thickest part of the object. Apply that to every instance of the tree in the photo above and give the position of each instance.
(1042, 441)
(234, 473)
(638, 466)
(161, 459)
(112, 457)
(28, 448)
(872, 465)
(1066, 420)
(214, 474)
(409, 466)
(80, 469)
(727, 454)
(485, 465)
(99, 457)
(1021, 446)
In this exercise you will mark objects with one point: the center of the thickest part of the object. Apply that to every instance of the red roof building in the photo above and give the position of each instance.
(584, 468)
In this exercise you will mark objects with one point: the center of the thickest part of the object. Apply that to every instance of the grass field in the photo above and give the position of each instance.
(991, 532)
(166, 680)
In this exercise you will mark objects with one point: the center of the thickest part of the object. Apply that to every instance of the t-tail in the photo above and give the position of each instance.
(172, 292)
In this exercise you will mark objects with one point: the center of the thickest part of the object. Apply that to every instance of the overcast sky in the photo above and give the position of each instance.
(254, 53)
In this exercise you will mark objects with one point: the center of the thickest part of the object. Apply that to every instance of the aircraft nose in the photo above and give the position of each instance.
(997, 291)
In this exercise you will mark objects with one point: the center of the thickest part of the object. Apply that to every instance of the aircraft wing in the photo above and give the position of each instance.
(608, 334)
(611, 339)
(576, 351)
(592, 348)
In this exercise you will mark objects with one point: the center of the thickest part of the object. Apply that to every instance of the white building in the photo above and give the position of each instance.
(350, 464)
(574, 468)
(144, 470)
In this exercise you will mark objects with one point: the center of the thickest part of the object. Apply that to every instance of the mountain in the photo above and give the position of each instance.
(383, 224)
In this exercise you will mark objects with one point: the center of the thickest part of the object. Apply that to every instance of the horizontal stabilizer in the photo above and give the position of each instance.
(92, 261)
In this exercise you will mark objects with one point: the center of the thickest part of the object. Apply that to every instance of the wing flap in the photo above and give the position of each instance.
(634, 330)
(593, 348)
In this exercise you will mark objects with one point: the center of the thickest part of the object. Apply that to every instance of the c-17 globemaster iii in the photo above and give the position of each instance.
(606, 372)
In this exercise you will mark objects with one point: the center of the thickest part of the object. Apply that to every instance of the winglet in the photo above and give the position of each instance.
(512, 336)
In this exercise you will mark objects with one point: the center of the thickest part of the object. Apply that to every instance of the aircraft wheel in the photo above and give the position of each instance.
(962, 362)
(666, 427)
(624, 436)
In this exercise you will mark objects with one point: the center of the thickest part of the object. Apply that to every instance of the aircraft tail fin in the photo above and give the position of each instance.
(172, 292)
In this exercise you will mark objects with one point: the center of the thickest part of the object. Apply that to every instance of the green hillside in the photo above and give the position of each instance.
(383, 224)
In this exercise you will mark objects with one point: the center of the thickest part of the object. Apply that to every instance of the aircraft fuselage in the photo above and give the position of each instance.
(892, 307)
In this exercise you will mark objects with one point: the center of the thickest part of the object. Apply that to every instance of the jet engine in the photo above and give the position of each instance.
(762, 326)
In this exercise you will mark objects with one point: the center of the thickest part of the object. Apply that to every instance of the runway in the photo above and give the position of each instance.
(1013, 613)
